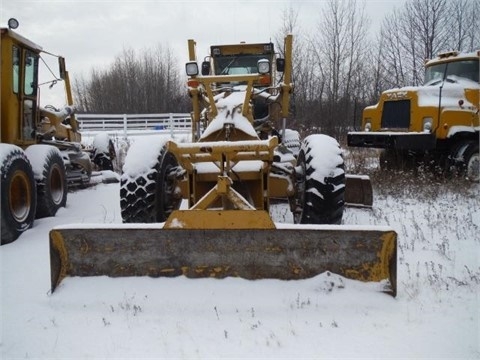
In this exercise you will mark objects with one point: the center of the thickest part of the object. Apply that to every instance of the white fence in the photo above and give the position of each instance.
(136, 124)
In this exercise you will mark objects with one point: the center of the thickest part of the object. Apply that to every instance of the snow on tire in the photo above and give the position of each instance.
(51, 178)
(18, 197)
(148, 185)
(320, 184)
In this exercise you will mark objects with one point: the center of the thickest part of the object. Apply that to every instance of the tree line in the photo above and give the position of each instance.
(338, 68)
(142, 82)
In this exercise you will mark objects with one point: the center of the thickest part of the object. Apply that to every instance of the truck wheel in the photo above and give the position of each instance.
(320, 182)
(472, 162)
(468, 161)
(51, 179)
(18, 195)
(150, 197)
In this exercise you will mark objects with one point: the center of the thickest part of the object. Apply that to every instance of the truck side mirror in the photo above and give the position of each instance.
(205, 68)
(62, 68)
(281, 65)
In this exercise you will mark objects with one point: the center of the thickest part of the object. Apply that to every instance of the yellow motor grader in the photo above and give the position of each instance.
(202, 208)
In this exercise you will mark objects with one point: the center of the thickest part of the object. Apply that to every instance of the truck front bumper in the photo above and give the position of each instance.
(392, 140)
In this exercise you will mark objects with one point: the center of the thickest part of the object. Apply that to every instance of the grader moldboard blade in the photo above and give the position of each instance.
(288, 252)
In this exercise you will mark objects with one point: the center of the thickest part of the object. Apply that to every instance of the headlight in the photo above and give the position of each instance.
(368, 125)
(427, 124)
(263, 66)
(191, 68)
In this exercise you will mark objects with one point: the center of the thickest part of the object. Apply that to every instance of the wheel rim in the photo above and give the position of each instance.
(473, 168)
(20, 196)
(56, 184)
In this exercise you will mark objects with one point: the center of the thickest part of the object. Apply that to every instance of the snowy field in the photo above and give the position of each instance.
(436, 313)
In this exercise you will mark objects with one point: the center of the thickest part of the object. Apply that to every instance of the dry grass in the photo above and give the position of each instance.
(418, 182)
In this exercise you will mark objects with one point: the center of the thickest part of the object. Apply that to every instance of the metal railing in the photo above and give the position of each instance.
(134, 124)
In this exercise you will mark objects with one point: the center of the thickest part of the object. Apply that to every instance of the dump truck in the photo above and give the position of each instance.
(435, 124)
(201, 208)
(40, 151)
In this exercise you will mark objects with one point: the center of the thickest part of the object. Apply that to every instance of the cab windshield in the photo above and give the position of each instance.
(237, 64)
(467, 69)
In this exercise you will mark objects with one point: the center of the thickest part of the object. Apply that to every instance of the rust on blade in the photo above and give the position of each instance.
(366, 255)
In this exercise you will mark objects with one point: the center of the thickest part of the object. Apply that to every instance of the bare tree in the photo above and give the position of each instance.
(422, 29)
(464, 25)
(135, 83)
(301, 72)
(340, 47)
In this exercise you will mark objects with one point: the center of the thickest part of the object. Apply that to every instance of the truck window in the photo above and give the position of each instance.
(467, 69)
(16, 69)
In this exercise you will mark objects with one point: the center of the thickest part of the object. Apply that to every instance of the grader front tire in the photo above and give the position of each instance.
(150, 197)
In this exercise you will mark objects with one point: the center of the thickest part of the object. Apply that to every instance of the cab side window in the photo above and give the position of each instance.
(31, 66)
(16, 69)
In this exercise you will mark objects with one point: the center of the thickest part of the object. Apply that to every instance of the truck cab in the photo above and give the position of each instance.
(439, 119)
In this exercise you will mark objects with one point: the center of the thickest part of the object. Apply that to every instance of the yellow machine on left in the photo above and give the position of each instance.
(40, 150)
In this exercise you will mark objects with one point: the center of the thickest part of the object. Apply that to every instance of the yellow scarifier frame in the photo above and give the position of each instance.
(226, 231)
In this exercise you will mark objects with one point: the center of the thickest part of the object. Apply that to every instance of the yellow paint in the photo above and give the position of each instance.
(58, 244)
(378, 270)
(220, 219)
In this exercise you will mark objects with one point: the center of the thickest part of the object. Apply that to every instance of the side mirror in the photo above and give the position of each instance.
(280, 65)
(62, 68)
(206, 68)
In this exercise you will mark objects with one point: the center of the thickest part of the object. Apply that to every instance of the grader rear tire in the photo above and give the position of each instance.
(320, 198)
(150, 197)
(52, 188)
(18, 198)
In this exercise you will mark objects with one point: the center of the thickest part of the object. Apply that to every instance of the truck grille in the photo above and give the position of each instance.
(396, 114)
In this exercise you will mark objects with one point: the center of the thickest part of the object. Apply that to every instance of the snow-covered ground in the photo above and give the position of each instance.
(436, 313)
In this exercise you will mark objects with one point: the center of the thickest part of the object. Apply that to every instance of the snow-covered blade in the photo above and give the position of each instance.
(296, 252)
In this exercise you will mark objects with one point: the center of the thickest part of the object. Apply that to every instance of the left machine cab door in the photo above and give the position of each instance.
(27, 94)
(19, 88)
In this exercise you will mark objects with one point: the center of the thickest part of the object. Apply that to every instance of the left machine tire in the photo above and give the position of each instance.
(18, 196)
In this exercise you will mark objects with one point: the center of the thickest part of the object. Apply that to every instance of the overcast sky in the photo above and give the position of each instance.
(90, 34)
